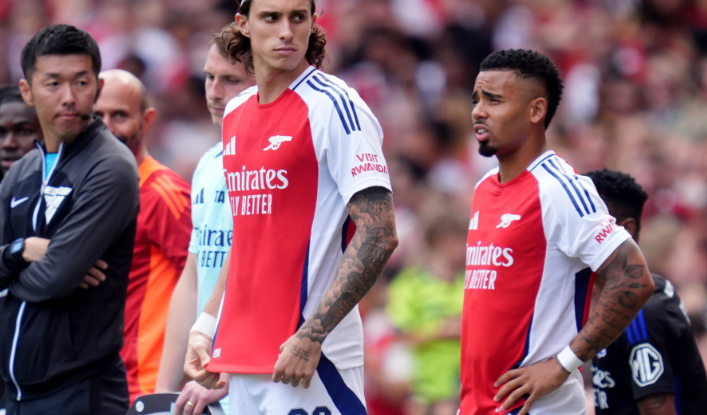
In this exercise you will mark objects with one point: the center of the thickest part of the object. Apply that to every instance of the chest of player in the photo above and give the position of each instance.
(506, 234)
(268, 154)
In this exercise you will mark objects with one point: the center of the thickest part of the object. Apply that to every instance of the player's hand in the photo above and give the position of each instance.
(297, 362)
(536, 380)
(198, 355)
(35, 249)
(95, 275)
(194, 397)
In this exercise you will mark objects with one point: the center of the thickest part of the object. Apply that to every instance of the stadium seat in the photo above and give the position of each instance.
(162, 404)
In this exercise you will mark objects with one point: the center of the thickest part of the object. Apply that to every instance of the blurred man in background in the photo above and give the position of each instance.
(163, 229)
(654, 367)
(63, 207)
(425, 304)
(19, 127)
(211, 237)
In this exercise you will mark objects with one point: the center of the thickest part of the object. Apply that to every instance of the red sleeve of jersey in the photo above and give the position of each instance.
(168, 206)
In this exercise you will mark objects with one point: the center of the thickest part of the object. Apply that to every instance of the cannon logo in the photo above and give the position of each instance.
(507, 219)
(276, 142)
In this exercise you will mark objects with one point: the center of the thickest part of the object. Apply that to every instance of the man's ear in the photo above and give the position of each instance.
(148, 118)
(630, 225)
(538, 110)
(101, 82)
(26, 91)
(242, 22)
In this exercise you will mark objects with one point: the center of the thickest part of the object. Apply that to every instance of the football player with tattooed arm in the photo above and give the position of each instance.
(655, 367)
(539, 237)
(313, 226)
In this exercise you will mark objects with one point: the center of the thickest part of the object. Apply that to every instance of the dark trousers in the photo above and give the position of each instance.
(105, 394)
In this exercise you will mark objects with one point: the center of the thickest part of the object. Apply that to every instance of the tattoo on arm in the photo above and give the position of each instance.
(661, 404)
(300, 352)
(627, 286)
(375, 239)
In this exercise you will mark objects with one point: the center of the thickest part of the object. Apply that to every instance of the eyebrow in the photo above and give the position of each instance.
(56, 75)
(491, 94)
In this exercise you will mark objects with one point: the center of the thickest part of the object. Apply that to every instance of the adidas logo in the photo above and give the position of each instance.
(230, 149)
(53, 196)
(474, 224)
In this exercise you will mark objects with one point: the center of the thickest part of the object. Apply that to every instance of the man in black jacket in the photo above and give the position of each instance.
(654, 367)
(67, 205)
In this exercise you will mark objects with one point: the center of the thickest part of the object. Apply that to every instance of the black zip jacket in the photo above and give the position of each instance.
(53, 333)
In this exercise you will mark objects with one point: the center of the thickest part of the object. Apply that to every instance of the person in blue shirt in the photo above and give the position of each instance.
(211, 238)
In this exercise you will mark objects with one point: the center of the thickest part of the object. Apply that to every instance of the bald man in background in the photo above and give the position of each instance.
(163, 231)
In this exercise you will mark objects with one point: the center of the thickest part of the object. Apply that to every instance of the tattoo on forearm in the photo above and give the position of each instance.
(363, 261)
(621, 299)
(299, 352)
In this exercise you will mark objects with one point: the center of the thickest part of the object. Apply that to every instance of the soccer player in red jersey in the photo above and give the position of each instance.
(163, 231)
(303, 164)
(539, 237)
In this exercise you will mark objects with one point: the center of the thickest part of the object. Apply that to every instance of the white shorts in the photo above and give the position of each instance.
(332, 392)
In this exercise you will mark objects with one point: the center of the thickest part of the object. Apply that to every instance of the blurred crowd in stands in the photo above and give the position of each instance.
(635, 100)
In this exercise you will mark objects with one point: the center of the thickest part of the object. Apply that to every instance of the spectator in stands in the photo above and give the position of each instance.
(425, 304)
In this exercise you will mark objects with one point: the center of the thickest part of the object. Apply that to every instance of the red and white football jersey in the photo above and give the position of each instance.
(291, 167)
(533, 246)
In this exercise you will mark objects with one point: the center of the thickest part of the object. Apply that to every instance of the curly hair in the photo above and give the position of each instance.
(529, 64)
(238, 46)
(623, 193)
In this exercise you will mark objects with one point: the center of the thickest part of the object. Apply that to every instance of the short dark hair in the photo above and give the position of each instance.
(530, 64)
(59, 40)
(239, 50)
(623, 193)
(10, 93)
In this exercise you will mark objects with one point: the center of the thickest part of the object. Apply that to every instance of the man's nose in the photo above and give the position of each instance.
(286, 32)
(9, 141)
(67, 95)
(215, 91)
(479, 111)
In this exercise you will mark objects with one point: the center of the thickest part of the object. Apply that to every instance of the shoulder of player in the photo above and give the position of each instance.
(559, 183)
(665, 303)
(330, 98)
(211, 154)
(240, 99)
(165, 188)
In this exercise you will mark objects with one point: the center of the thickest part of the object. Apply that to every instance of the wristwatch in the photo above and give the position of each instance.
(12, 256)
(17, 249)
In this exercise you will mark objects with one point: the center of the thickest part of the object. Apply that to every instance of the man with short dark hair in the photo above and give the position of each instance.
(654, 367)
(537, 234)
(19, 127)
(64, 207)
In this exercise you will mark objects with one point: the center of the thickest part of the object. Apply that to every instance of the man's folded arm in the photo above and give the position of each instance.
(104, 207)
(6, 273)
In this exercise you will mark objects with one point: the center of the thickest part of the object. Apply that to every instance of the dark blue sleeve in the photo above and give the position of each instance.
(648, 350)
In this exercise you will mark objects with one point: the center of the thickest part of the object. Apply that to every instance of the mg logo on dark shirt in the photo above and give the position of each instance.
(646, 364)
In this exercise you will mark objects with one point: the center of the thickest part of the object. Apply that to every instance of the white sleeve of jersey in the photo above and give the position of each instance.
(354, 152)
(578, 220)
